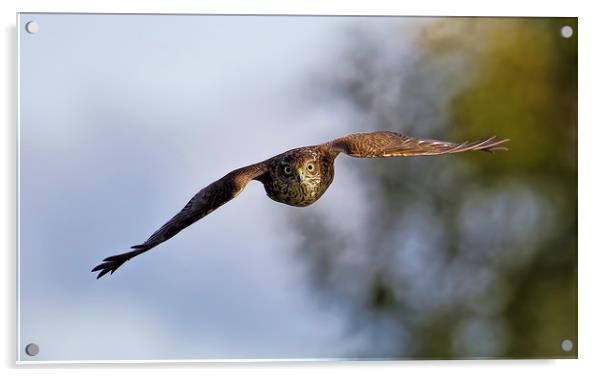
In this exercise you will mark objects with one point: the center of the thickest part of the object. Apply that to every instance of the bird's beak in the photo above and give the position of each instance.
(300, 174)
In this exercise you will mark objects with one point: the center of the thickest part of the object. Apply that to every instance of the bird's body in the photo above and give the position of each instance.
(311, 172)
(298, 177)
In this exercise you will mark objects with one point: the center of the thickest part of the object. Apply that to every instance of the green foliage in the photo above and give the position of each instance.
(469, 255)
(523, 86)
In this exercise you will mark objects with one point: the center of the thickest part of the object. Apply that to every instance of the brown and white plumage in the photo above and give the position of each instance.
(297, 177)
(391, 144)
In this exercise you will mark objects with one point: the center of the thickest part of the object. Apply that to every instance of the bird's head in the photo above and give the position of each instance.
(300, 167)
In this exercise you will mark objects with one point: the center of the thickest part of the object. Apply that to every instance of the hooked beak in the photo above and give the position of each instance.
(299, 174)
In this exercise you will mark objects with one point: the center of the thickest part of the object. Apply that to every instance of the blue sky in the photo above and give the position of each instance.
(123, 119)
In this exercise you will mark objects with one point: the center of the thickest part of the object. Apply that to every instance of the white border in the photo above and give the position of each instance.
(18, 188)
(589, 208)
(551, 8)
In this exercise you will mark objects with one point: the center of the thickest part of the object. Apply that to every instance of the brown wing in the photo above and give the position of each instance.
(203, 203)
(391, 144)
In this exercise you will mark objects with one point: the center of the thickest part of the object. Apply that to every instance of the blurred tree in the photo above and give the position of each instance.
(459, 256)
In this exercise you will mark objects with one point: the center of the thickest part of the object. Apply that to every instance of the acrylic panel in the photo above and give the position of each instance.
(124, 118)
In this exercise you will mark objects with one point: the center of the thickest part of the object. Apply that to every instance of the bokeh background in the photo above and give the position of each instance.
(123, 118)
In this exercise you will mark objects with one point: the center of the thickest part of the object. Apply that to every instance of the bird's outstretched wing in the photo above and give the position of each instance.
(203, 203)
(392, 144)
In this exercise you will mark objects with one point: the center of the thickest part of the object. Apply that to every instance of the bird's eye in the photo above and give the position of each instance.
(288, 170)
(310, 167)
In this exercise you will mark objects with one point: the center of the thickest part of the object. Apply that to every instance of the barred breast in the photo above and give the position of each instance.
(298, 194)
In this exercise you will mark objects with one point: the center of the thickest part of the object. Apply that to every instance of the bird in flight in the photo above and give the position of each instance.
(297, 177)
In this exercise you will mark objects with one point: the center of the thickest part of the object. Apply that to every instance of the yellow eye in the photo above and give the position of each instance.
(288, 170)
(310, 167)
